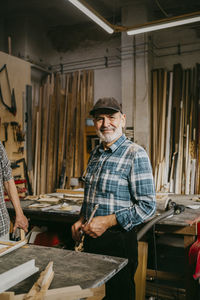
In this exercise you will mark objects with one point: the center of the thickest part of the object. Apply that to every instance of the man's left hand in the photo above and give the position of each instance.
(99, 225)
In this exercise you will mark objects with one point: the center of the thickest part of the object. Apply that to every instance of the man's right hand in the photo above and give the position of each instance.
(76, 230)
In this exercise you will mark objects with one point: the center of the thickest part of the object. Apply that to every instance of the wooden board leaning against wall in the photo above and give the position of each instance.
(176, 129)
(19, 75)
(59, 115)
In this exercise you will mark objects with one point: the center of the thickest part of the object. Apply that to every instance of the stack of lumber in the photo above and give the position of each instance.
(175, 149)
(59, 113)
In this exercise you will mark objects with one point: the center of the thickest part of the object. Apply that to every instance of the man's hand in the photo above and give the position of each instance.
(76, 230)
(21, 222)
(99, 225)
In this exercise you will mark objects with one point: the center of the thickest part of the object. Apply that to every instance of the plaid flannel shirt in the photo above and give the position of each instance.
(5, 175)
(120, 180)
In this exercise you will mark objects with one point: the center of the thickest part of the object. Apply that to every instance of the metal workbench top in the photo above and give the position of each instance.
(70, 267)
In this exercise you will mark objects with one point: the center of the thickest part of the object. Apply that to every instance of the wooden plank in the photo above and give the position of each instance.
(36, 156)
(7, 296)
(56, 129)
(159, 103)
(45, 116)
(178, 173)
(77, 144)
(155, 121)
(177, 81)
(82, 125)
(38, 290)
(51, 139)
(168, 126)
(62, 180)
(71, 130)
(165, 275)
(99, 293)
(69, 293)
(13, 247)
(163, 116)
(140, 275)
(198, 132)
(39, 143)
(61, 134)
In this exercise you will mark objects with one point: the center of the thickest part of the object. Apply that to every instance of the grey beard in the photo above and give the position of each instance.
(108, 138)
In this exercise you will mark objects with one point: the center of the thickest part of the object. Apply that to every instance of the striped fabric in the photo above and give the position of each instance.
(5, 175)
(120, 179)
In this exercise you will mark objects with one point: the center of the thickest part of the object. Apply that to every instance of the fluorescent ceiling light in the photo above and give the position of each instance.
(92, 15)
(162, 25)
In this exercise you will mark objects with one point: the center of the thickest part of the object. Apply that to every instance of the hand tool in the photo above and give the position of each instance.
(18, 135)
(79, 245)
(12, 109)
(5, 124)
(15, 235)
(15, 165)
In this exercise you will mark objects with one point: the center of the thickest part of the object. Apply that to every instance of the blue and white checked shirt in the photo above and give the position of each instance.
(120, 179)
(5, 175)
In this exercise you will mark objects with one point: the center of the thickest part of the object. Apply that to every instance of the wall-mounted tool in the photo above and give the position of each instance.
(18, 134)
(12, 109)
(15, 165)
(5, 124)
(20, 150)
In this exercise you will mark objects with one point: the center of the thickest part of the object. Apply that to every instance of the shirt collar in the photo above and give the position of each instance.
(114, 146)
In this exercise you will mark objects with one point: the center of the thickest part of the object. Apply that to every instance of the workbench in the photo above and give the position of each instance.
(70, 267)
(176, 225)
(36, 214)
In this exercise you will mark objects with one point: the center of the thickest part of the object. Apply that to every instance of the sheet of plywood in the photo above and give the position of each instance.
(19, 72)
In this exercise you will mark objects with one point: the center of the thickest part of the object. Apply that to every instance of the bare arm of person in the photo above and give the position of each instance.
(20, 220)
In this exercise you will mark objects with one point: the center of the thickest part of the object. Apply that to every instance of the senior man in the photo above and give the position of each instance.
(118, 178)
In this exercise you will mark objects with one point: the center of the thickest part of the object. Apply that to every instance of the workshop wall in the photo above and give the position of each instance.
(28, 39)
(108, 57)
(176, 45)
(19, 74)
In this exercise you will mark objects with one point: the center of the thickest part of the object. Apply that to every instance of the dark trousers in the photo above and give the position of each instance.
(118, 243)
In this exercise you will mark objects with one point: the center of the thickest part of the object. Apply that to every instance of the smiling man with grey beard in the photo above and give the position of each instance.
(119, 179)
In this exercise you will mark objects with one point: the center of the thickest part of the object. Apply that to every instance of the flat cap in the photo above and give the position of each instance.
(104, 104)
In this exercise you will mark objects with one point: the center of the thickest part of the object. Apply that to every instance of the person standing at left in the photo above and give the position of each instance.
(7, 183)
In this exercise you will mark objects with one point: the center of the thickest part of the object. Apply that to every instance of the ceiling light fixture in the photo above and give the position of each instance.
(92, 14)
(165, 23)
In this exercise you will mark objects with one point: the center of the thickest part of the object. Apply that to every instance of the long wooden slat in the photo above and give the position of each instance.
(39, 143)
(155, 121)
(82, 124)
(168, 126)
(51, 138)
(176, 102)
(60, 135)
(36, 156)
(198, 132)
(38, 290)
(45, 115)
(62, 180)
(77, 144)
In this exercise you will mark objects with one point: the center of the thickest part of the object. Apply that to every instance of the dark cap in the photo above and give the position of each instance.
(106, 104)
